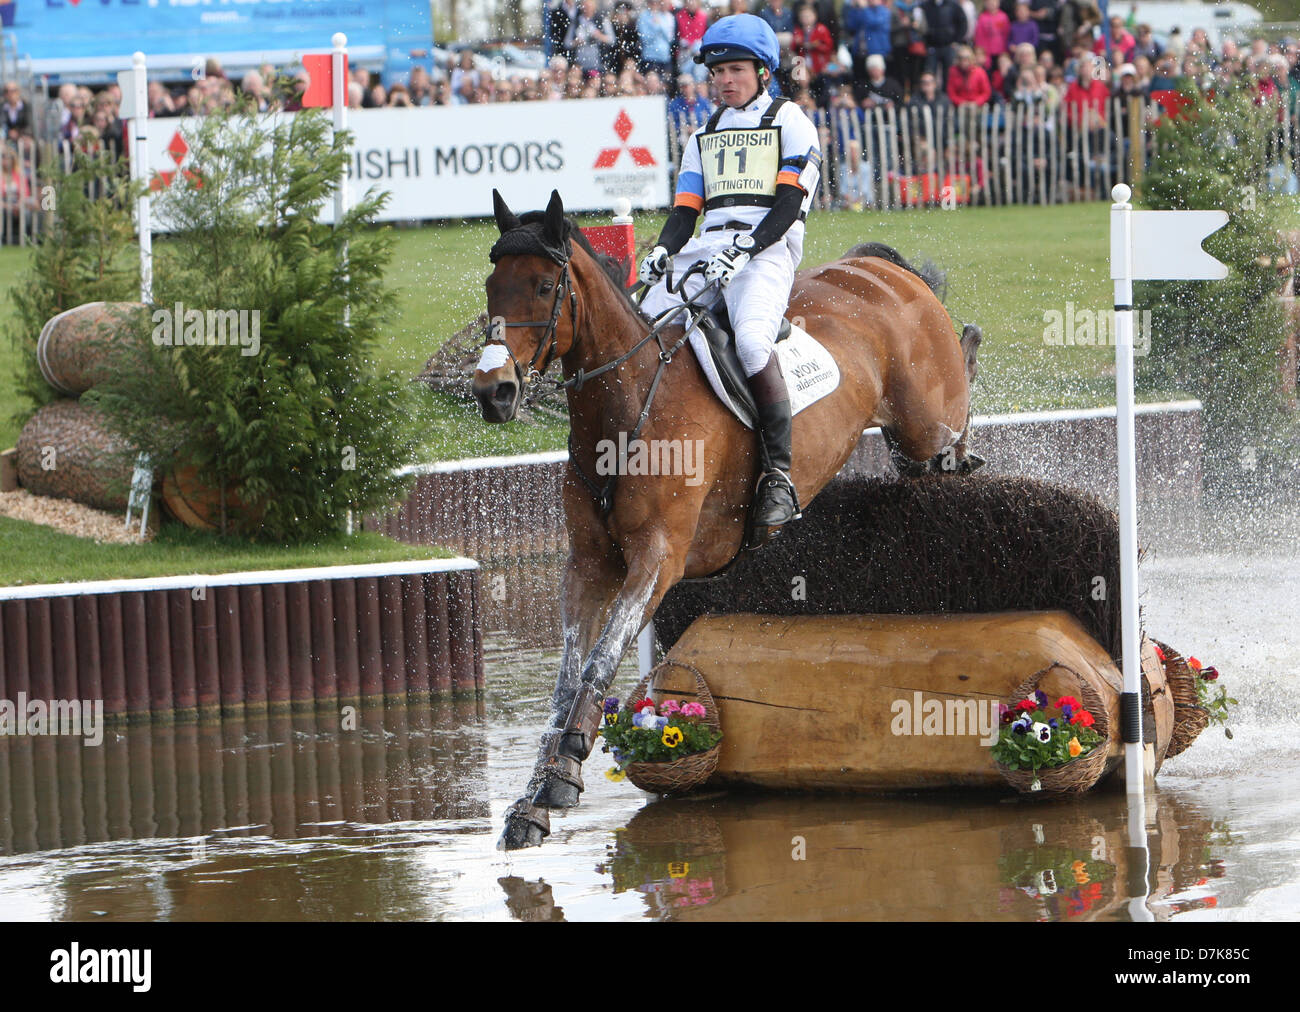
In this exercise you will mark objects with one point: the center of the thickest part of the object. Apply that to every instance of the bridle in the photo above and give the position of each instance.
(534, 380)
(546, 345)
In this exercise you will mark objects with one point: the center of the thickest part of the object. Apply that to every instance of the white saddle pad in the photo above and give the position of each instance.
(810, 372)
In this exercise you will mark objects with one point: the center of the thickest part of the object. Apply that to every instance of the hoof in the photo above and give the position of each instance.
(526, 826)
(557, 793)
(972, 462)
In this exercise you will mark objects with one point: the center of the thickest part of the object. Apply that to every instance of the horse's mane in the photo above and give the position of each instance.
(614, 270)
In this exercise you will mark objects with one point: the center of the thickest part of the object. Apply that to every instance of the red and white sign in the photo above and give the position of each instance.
(444, 162)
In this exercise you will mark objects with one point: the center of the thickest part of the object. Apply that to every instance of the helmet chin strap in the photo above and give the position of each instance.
(761, 87)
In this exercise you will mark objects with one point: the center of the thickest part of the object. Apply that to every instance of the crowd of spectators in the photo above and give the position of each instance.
(867, 54)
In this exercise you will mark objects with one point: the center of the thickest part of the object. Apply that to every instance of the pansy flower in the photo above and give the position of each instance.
(1209, 674)
(1042, 732)
(672, 737)
(1040, 697)
(1021, 726)
(1075, 748)
(611, 705)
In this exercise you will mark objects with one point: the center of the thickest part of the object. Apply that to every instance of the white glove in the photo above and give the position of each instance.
(653, 266)
(724, 266)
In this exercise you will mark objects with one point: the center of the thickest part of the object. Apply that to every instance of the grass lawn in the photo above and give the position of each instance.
(34, 554)
(1006, 267)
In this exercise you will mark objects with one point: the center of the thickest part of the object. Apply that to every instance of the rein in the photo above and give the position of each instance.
(533, 379)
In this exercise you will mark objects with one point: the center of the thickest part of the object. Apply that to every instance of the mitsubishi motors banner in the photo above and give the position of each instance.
(444, 162)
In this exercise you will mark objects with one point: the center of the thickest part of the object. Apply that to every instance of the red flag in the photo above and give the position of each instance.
(320, 90)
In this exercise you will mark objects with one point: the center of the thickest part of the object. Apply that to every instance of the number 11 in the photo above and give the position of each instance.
(740, 160)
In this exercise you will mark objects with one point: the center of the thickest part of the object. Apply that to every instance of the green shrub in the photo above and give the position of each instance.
(292, 418)
(1219, 340)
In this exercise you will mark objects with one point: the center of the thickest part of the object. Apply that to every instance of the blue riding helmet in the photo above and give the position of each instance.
(740, 37)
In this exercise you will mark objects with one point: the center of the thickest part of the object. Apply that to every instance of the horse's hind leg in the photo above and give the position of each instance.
(921, 442)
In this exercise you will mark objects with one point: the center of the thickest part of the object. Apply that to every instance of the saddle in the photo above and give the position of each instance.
(715, 325)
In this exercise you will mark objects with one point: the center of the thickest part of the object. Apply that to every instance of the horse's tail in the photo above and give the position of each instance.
(929, 271)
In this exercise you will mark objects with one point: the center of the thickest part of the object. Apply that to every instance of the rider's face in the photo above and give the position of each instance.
(736, 81)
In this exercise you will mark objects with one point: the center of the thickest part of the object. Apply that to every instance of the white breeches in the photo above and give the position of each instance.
(756, 298)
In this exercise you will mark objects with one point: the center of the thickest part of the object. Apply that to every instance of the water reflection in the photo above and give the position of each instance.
(286, 777)
(968, 857)
(299, 817)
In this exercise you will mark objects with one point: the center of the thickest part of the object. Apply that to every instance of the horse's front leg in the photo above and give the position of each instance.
(652, 567)
(587, 587)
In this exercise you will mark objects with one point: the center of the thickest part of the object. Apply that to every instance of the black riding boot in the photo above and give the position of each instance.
(775, 501)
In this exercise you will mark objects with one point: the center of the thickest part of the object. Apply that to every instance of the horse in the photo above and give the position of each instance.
(550, 296)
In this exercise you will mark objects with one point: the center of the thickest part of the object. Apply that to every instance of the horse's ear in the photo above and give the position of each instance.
(506, 220)
(553, 226)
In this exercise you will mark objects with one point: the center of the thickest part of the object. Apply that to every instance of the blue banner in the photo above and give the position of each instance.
(82, 39)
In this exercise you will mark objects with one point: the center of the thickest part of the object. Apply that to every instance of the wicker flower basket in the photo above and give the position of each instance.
(1078, 775)
(690, 771)
(1190, 718)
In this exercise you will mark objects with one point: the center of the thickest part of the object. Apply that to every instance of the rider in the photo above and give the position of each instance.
(752, 169)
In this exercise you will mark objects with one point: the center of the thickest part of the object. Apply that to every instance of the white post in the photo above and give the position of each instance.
(339, 100)
(1121, 252)
(645, 649)
(139, 154)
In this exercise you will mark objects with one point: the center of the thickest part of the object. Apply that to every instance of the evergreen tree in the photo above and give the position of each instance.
(289, 420)
(1220, 340)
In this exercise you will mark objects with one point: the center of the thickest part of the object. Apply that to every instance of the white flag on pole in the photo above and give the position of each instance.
(1167, 246)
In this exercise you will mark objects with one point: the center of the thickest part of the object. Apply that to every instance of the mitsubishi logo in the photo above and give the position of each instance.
(608, 156)
(177, 149)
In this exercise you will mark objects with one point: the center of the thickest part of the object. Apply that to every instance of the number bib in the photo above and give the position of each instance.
(740, 166)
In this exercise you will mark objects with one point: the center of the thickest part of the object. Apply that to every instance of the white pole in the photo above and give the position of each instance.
(1121, 229)
(339, 100)
(139, 154)
(645, 649)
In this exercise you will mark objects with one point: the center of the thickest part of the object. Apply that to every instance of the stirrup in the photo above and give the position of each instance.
(784, 479)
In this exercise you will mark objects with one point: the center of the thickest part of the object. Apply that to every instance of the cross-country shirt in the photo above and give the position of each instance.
(731, 172)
